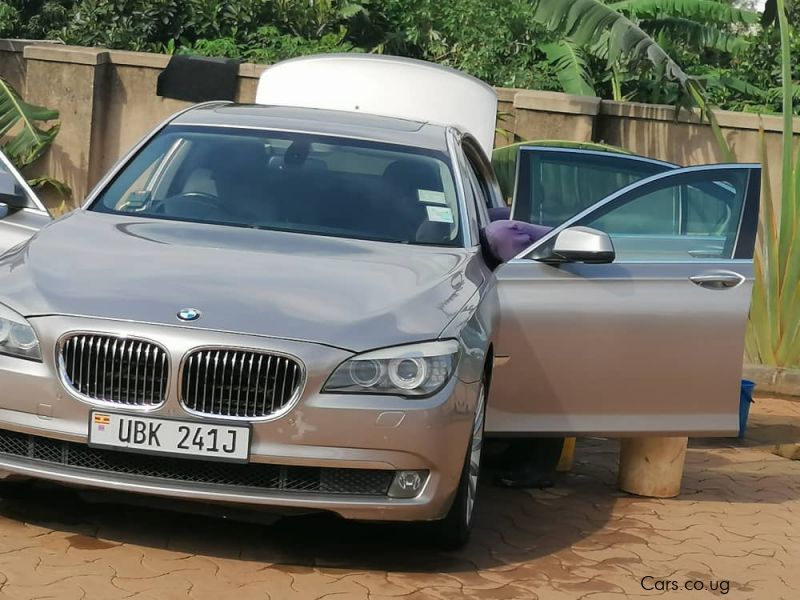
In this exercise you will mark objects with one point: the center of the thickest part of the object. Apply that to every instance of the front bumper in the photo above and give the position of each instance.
(321, 431)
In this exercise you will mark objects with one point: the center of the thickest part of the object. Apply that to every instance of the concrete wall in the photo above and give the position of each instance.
(107, 100)
(656, 131)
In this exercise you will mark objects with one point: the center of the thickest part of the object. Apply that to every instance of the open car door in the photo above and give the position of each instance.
(21, 213)
(648, 344)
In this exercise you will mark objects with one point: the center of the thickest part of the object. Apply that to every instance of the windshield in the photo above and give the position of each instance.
(291, 182)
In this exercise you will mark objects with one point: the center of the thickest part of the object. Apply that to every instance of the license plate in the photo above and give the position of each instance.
(209, 441)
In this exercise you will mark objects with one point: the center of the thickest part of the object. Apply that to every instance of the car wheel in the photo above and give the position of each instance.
(453, 531)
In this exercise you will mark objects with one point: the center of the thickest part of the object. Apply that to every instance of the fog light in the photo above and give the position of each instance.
(407, 484)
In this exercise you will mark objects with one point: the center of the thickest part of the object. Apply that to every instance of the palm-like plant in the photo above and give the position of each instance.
(30, 140)
(774, 332)
(593, 27)
(700, 24)
(627, 33)
(22, 137)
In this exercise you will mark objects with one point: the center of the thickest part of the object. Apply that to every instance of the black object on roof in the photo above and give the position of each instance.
(199, 78)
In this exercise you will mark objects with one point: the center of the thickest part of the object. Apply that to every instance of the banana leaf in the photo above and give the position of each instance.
(773, 336)
(569, 62)
(24, 139)
(614, 37)
(696, 10)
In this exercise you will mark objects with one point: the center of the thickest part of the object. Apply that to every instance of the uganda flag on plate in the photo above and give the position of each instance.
(101, 421)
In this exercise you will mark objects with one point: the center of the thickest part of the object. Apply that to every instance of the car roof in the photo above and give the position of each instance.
(319, 121)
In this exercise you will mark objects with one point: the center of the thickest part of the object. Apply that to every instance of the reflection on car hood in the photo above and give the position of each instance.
(346, 293)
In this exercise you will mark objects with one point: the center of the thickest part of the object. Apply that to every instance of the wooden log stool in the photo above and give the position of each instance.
(652, 466)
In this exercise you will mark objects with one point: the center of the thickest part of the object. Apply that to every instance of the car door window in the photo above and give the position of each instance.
(479, 194)
(555, 184)
(7, 168)
(687, 214)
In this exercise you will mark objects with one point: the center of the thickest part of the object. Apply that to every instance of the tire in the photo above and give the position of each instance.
(452, 532)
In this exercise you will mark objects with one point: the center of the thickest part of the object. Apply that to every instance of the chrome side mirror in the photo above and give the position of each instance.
(583, 244)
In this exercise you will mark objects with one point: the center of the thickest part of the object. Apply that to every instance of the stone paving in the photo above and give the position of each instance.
(736, 528)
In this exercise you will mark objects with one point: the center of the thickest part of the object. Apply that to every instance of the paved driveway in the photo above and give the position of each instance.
(736, 527)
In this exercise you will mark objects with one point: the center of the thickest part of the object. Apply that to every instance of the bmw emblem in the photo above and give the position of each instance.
(189, 314)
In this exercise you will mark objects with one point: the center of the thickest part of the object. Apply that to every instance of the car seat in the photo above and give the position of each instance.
(402, 180)
(240, 175)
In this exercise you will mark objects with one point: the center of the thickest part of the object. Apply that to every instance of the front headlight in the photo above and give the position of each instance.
(413, 370)
(17, 337)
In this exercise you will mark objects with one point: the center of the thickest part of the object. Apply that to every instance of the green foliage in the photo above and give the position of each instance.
(570, 63)
(59, 187)
(759, 68)
(495, 40)
(619, 40)
(24, 139)
(8, 17)
(580, 46)
(23, 135)
(774, 332)
(269, 45)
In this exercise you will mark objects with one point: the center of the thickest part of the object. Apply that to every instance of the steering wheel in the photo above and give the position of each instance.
(200, 200)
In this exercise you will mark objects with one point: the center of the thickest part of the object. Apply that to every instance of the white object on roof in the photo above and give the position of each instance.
(386, 86)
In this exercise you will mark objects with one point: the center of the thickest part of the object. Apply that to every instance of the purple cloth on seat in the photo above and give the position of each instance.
(507, 238)
(499, 213)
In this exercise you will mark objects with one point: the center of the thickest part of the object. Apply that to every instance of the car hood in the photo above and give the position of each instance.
(350, 294)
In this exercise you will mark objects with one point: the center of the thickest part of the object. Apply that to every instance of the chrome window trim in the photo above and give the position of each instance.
(742, 212)
(479, 208)
(65, 383)
(166, 162)
(290, 404)
(472, 149)
(690, 261)
(471, 201)
(452, 135)
(641, 183)
(600, 153)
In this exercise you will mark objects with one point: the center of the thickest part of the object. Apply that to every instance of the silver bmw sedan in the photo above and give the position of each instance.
(268, 297)
(300, 307)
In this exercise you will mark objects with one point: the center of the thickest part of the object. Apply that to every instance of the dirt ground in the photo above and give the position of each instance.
(734, 532)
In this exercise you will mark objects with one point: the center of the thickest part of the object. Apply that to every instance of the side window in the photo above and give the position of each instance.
(471, 197)
(554, 185)
(479, 192)
(705, 210)
(656, 213)
(689, 216)
(13, 175)
(484, 194)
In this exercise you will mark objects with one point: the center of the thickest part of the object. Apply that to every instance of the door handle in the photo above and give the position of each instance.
(711, 252)
(718, 281)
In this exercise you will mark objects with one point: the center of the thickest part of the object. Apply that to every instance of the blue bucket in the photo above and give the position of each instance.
(745, 400)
